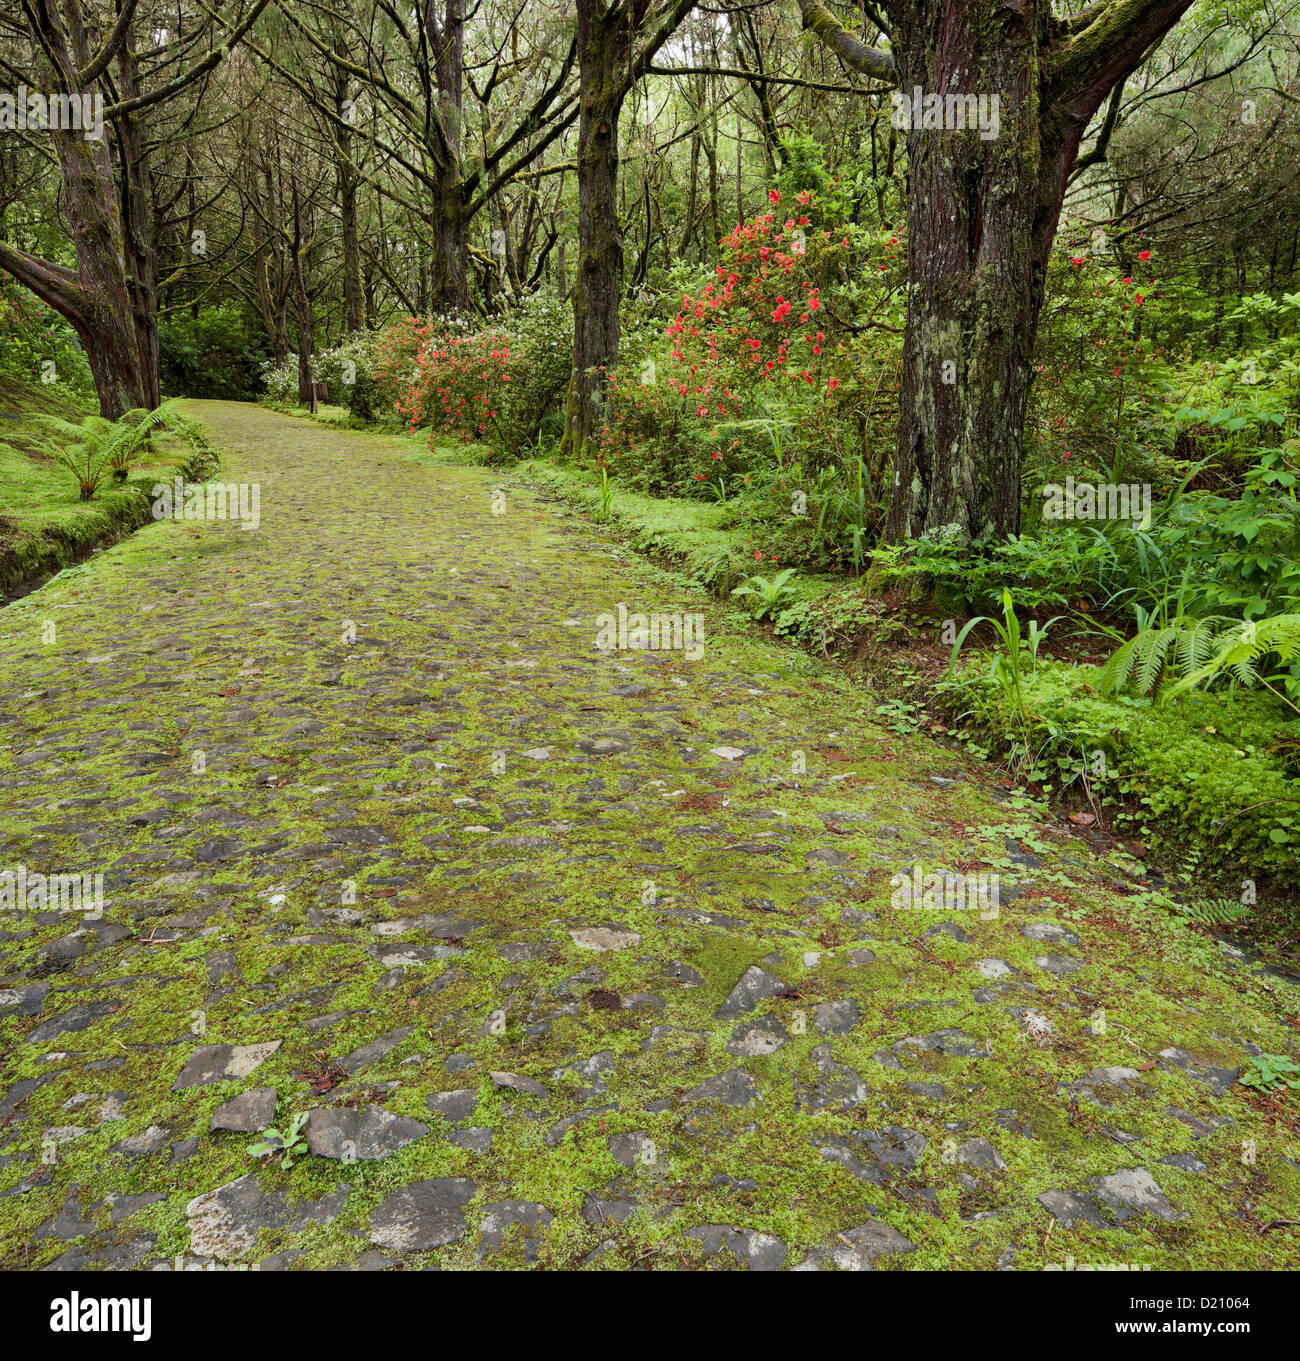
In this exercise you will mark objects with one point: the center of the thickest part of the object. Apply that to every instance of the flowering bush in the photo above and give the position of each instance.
(280, 381)
(1098, 364)
(764, 365)
(496, 385)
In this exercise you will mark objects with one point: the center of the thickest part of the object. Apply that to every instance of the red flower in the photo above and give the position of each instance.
(1144, 255)
(773, 196)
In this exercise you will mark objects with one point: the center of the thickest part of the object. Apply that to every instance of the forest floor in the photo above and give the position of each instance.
(573, 956)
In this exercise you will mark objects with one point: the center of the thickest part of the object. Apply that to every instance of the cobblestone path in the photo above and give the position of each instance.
(566, 956)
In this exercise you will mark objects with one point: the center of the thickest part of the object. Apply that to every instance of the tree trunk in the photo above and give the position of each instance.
(449, 280)
(302, 298)
(96, 298)
(979, 228)
(346, 178)
(449, 219)
(602, 45)
(140, 247)
(982, 213)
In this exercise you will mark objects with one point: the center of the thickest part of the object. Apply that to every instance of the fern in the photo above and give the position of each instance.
(1156, 652)
(1240, 649)
(766, 595)
(99, 445)
(132, 433)
(1215, 912)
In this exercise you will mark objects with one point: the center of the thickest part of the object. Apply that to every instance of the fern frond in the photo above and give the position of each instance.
(56, 425)
(1239, 649)
(1152, 649)
(1216, 912)
(1119, 667)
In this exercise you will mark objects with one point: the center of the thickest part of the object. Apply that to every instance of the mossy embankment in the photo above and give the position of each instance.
(44, 526)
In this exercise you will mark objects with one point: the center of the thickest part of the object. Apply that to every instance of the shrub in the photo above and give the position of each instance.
(32, 335)
(754, 372)
(1204, 768)
(499, 385)
(214, 355)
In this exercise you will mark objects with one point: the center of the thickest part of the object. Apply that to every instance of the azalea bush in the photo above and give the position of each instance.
(280, 381)
(762, 368)
(496, 385)
(770, 384)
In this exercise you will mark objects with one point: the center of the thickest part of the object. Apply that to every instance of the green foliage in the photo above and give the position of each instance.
(1216, 912)
(215, 354)
(1018, 651)
(1239, 651)
(1268, 1072)
(287, 1143)
(1156, 648)
(766, 594)
(606, 495)
(1205, 769)
(34, 336)
(96, 447)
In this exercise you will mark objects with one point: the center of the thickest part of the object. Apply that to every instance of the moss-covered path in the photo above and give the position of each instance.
(575, 956)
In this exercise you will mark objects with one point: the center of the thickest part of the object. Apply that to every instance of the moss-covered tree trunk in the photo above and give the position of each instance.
(346, 181)
(302, 293)
(449, 276)
(986, 184)
(449, 218)
(96, 297)
(979, 228)
(602, 54)
(615, 44)
(138, 232)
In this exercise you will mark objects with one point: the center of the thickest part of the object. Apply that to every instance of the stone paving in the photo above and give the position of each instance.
(557, 955)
